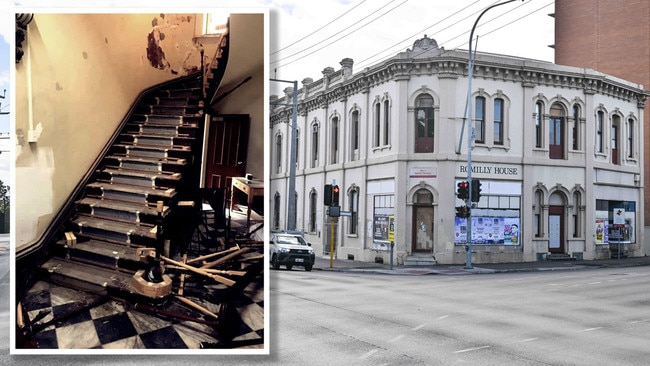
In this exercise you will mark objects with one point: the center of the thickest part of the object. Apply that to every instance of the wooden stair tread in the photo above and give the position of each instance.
(106, 249)
(122, 206)
(140, 174)
(115, 226)
(157, 148)
(169, 192)
(141, 159)
(88, 276)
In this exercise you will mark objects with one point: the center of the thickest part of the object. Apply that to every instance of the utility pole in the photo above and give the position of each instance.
(470, 133)
(291, 199)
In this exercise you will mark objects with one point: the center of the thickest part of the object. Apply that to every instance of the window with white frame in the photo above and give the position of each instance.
(479, 120)
(386, 129)
(278, 153)
(539, 124)
(498, 121)
(600, 131)
(354, 135)
(353, 207)
(334, 140)
(314, 144)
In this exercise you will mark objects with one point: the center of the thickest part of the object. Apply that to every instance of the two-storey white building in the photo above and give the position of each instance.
(558, 152)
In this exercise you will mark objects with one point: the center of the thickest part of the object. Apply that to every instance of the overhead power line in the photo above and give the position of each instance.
(337, 39)
(319, 29)
(410, 38)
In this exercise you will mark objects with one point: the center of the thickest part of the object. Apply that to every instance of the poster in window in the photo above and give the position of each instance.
(488, 230)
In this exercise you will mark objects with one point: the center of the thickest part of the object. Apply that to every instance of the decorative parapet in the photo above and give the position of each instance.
(434, 61)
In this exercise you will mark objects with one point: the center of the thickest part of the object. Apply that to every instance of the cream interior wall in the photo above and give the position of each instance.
(82, 72)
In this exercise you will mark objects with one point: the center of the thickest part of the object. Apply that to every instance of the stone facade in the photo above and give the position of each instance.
(557, 149)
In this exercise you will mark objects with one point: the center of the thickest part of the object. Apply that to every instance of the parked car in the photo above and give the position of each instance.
(289, 249)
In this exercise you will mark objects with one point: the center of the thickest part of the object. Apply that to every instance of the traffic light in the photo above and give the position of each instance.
(335, 195)
(463, 190)
(462, 211)
(327, 195)
(476, 190)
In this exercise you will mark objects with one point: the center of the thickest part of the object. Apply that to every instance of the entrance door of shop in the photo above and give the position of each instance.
(556, 229)
(422, 229)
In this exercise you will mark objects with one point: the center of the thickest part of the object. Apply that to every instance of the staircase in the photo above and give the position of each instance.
(134, 193)
(422, 260)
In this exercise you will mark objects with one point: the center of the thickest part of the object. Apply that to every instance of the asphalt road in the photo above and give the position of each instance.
(583, 317)
(586, 317)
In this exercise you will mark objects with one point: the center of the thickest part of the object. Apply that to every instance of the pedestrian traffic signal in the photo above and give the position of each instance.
(335, 195)
(463, 190)
(327, 195)
(463, 211)
(476, 190)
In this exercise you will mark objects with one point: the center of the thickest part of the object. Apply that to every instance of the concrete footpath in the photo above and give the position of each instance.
(341, 265)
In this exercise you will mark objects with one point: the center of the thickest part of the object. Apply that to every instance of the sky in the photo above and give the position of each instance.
(308, 36)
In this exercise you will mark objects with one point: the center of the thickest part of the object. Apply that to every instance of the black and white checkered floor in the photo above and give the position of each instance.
(117, 325)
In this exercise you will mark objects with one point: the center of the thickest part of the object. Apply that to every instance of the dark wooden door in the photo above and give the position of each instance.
(227, 149)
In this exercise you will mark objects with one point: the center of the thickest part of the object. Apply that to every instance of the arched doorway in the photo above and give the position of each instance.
(556, 223)
(422, 222)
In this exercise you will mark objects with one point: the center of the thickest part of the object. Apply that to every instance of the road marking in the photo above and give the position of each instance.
(590, 329)
(397, 338)
(419, 326)
(527, 340)
(593, 283)
(368, 354)
(640, 321)
(472, 349)
(442, 317)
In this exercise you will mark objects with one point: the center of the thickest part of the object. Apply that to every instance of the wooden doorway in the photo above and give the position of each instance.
(227, 149)
(556, 229)
(422, 234)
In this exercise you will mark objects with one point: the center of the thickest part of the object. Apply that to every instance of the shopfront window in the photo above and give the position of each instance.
(496, 219)
(605, 229)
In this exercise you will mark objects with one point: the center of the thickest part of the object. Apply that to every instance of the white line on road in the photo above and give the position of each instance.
(442, 317)
(368, 354)
(590, 329)
(472, 349)
(593, 283)
(640, 321)
(527, 340)
(397, 338)
(419, 327)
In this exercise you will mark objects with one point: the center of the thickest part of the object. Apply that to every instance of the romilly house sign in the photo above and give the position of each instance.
(491, 170)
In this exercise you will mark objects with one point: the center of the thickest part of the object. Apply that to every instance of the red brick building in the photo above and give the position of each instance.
(613, 37)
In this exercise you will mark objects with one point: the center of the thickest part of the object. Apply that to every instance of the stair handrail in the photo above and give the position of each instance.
(39, 245)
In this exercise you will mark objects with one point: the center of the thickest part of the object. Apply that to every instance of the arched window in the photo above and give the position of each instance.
(498, 121)
(577, 203)
(537, 213)
(556, 128)
(377, 129)
(630, 138)
(615, 135)
(334, 150)
(278, 153)
(354, 135)
(313, 207)
(353, 202)
(600, 131)
(539, 124)
(575, 131)
(314, 144)
(479, 120)
(276, 211)
(386, 129)
(424, 124)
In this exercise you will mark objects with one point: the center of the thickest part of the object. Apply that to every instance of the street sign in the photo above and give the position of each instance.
(619, 217)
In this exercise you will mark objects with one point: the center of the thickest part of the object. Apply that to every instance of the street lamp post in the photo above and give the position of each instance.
(470, 133)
